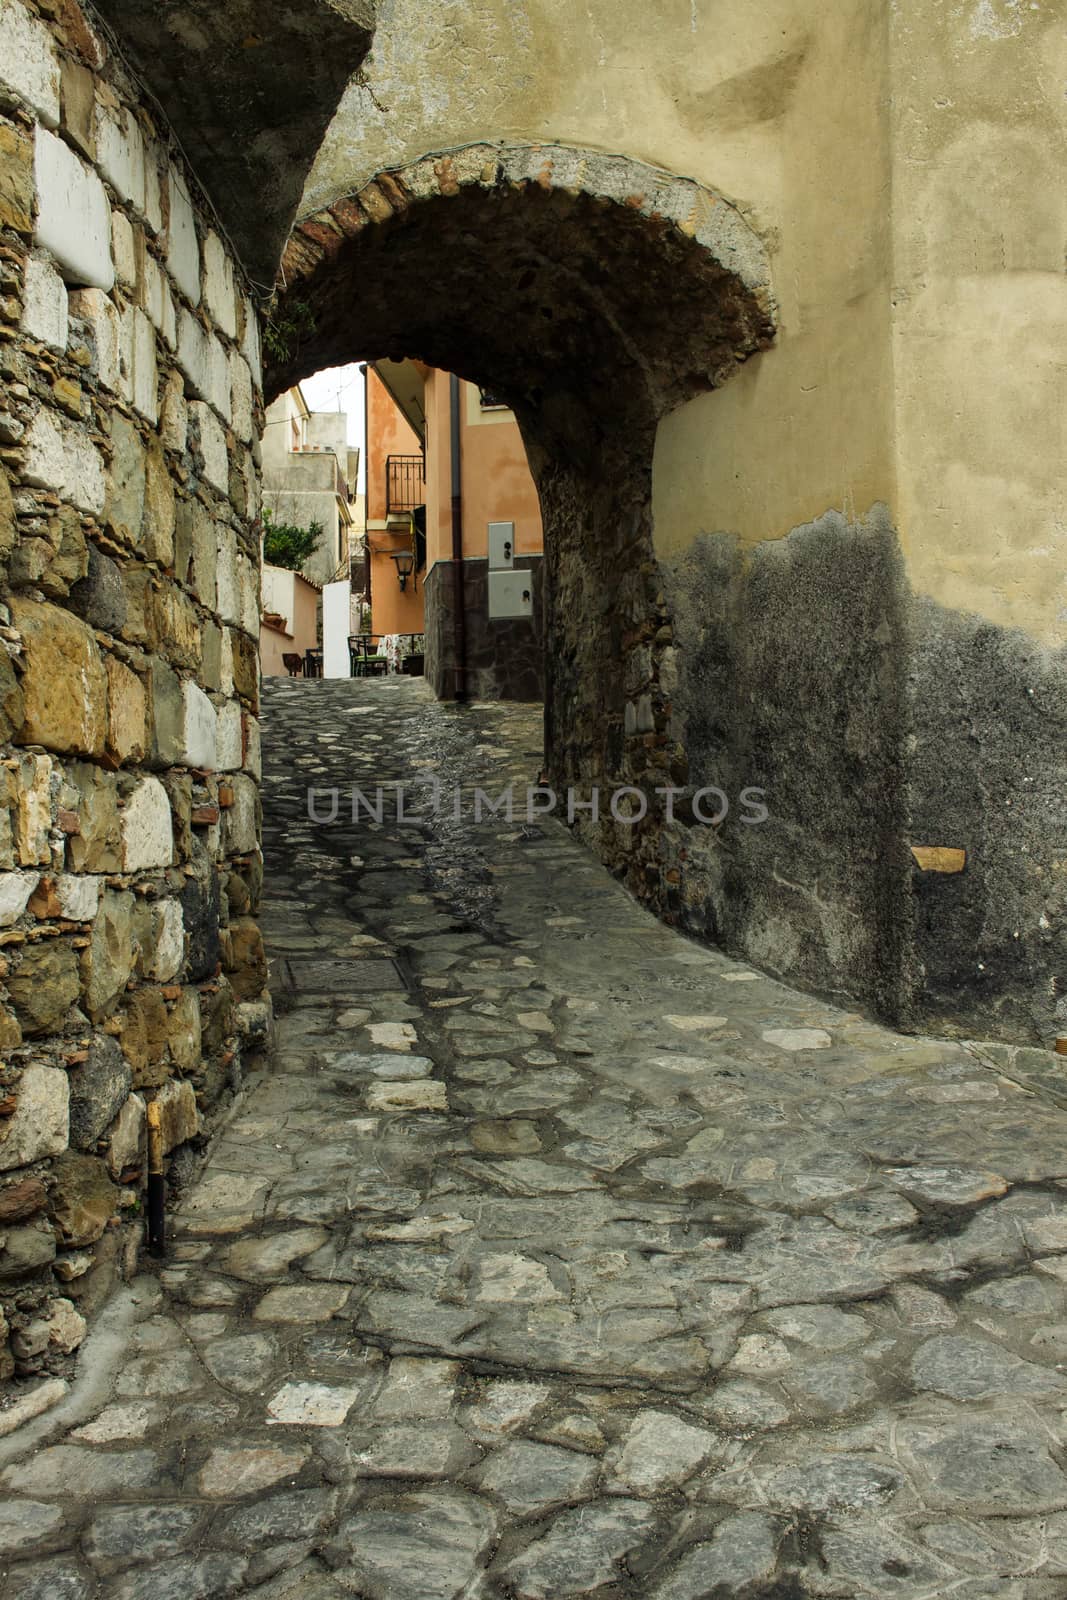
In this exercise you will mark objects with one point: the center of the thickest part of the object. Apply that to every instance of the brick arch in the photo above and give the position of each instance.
(594, 293)
(679, 279)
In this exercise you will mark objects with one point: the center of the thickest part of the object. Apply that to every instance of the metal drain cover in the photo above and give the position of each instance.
(341, 977)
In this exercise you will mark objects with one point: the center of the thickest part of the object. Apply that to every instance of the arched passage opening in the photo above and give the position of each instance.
(593, 293)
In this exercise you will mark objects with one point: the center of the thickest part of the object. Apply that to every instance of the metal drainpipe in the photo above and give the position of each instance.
(460, 633)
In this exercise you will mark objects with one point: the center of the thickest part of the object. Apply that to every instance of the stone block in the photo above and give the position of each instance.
(240, 822)
(126, 1141)
(248, 596)
(127, 250)
(200, 910)
(126, 713)
(247, 964)
(99, 597)
(40, 1125)
(178, 1113)
(107, 964)
(66, 1327)
(252, 757)
(25, 1251)
(196, 552)
(68, 561)
(212, 442)
(219, 286)
(103, 329)
(84, 1199)
(157, 528)
(147, 830)
(73, 213)
(10, 698)
(139, 585)
(244, 656)
(125, 480)
(144, 376)
(198, 728)
(120, 153)
(251, 348)
(64, 684)
(33, 819)
(229, 742)
(98, 1091)
(211, 645)
(77, 105)
(177, 624)
(163, 959)
(174, 414)
(227, 582)
(45, 986)
(93, 796)
(183, 1031)
(241, 398)
(220, 394)
(7, 516)
(61, 457)
(157, 300)
(15, 891)
(183, 251)
(194, 354)
(167, 714)
(144, 1038)
(29, 62)
(76, 896)
(44, 303)
(16, 179)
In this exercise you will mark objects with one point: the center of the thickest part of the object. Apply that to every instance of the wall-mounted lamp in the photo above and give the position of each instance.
(405, 566)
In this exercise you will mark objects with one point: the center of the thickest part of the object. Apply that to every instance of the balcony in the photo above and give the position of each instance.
(404, 484)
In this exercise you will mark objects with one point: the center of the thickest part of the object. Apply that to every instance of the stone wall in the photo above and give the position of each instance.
(504, 659)
(130, 963)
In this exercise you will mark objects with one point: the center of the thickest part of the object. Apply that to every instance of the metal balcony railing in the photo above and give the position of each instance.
(403, 483)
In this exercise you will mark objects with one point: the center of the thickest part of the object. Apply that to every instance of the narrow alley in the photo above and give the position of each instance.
(554, 1255)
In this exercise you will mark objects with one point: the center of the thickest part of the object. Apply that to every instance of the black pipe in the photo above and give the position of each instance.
(460, 619)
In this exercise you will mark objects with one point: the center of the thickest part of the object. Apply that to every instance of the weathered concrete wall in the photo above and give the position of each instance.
(131, 966)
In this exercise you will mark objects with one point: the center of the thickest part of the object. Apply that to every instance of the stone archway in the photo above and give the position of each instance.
(594, 293)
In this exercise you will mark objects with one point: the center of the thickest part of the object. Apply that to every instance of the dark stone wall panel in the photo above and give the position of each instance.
(504, 658)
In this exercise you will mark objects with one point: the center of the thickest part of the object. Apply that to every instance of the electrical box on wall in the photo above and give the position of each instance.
(501, 546)
(510, 595)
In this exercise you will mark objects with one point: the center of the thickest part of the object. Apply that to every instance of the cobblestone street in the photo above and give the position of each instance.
(555, 1255)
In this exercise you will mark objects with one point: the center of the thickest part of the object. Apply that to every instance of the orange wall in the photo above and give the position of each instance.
(391, 611)
(497, 486)
(389, 433)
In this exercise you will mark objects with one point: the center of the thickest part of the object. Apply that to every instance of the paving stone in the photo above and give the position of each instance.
(743, 1552)
(948, 1185)
(301, 1514)
(974, 1369)
(243, 1361)
(240, 1470)
(301, 1303)
(313, 1405)
(417, 1388)
(581, 1551)
(660, 1451)
(123, 1536)
(26, 1524)
(207, 1577)
(533, 1478)
(424, 1546)
(423, 1450)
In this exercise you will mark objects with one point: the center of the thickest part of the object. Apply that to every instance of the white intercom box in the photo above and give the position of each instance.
(501, 545)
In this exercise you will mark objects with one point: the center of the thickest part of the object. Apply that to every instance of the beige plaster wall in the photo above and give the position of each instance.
(980, 305)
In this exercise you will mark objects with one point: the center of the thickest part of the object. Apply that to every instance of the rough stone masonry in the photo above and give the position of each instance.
(130, 867)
